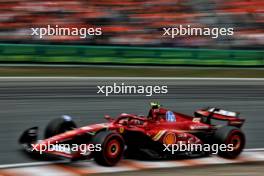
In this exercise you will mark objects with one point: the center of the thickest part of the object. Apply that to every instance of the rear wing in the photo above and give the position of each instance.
(210, 113)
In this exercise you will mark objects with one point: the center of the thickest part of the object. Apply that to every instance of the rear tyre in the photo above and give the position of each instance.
(59, 125)
(230, 135)
(112, 148)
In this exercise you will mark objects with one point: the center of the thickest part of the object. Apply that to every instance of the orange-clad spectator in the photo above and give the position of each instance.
(135, 22)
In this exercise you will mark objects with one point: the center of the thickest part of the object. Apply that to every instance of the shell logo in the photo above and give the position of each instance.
(169, 138)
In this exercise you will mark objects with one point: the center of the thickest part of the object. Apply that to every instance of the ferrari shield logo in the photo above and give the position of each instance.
(121, 130)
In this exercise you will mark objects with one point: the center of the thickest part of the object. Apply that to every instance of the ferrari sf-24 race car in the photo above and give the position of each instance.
(146, 136)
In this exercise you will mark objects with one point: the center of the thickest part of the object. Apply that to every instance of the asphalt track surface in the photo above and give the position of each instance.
(251, 169)
(28, 102)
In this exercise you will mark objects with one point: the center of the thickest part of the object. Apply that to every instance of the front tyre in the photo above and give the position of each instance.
(58, 126)
(112, 148)
(230, 135)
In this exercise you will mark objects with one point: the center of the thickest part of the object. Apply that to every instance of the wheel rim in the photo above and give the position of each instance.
(113, 148)
(236, 141)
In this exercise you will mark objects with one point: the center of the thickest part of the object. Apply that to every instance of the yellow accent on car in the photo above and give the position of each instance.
(158, 135)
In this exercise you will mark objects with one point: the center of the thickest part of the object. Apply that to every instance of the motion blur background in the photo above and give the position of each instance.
(132, 35)
(136, 22)
(137, 26)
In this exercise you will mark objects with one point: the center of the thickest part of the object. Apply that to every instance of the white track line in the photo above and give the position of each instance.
(254, 149)
(133, 78)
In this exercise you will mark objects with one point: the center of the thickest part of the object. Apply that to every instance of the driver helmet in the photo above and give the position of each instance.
(153, 112)
(155, 105)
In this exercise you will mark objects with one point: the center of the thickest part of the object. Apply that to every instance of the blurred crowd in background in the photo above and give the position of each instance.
(136, 22)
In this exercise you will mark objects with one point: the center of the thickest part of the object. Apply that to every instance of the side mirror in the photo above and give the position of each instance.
(107, 117)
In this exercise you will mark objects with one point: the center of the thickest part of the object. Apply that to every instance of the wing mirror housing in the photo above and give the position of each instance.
(108, 117)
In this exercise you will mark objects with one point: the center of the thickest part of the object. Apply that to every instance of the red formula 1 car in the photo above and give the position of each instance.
(154, 136)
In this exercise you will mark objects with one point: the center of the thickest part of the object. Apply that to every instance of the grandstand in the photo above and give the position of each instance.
(136, 22)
